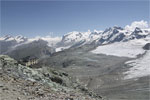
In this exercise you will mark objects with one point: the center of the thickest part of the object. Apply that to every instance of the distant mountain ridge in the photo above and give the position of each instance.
(36, 49)
(75, 39)
(110, 35)
(17, 39)
(7, 42)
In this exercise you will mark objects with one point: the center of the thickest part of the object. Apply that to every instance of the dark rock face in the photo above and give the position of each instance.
(147, 46)
(136, 34)
(6, 45)
(137, 30)
(113, 35)
(34, 49)
(119, 38)
(57, 80)
(8, 42)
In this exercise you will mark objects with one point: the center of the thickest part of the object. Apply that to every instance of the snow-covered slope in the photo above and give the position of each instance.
(73, 38)
(139, 67)
(76, 36)
(61, 48)
(122, 42)
(130, 48)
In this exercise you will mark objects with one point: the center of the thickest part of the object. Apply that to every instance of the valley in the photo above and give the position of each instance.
(103, 74)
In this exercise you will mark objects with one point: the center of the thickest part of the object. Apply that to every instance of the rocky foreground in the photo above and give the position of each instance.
(18, 82)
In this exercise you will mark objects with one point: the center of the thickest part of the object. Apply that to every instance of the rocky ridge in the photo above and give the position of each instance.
(18, 82)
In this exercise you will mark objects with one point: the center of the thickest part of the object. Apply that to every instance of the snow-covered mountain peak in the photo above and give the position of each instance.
(117, 34)
(137, 29)
(70, 33)
(96, 31)
(113, 29)
(76, 36)
(17, 39)
(20, 39)
(7, 38)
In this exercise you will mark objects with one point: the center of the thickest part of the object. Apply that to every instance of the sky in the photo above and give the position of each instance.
(56, 18)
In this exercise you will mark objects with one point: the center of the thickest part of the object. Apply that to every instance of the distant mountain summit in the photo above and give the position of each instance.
(80, 38)
(17, 39)
(117, 34)
(7, 42)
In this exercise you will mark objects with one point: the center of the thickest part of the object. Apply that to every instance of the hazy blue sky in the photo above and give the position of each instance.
(32, 18)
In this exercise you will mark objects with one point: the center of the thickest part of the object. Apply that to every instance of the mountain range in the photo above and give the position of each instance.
(77, 39)
(113, 63)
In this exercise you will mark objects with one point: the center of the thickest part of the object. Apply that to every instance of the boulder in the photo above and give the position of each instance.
(147, 46)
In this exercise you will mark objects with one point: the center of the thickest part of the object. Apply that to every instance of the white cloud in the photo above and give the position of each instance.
(141, 24)
(51, 40)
